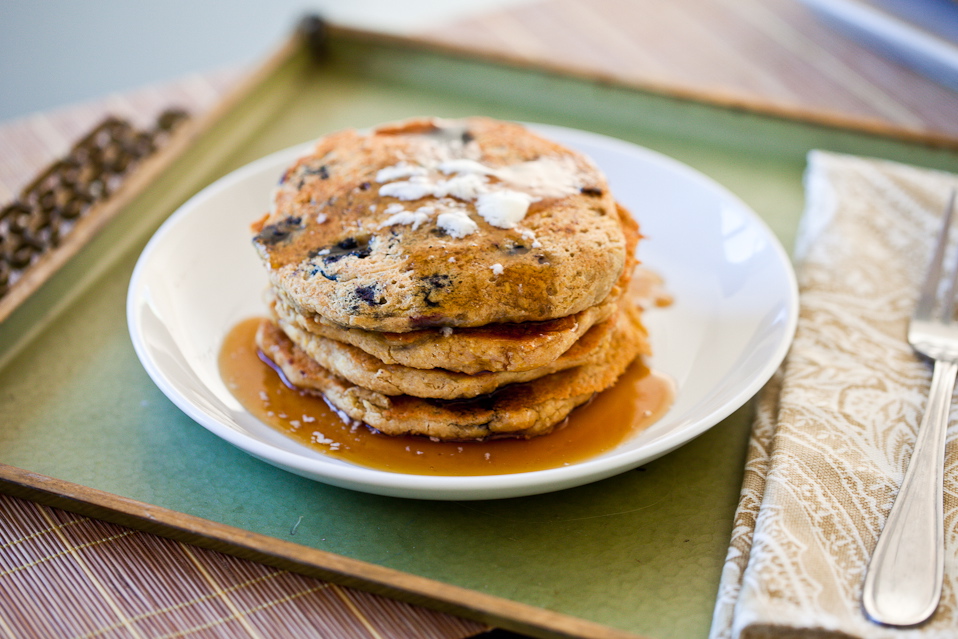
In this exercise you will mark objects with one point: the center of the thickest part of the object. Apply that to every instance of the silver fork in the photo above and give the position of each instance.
(903, 584)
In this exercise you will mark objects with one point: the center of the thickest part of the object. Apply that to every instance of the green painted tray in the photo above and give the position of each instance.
(84, 428)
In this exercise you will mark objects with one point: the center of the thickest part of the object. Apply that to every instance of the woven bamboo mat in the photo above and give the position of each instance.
(62, 575)
(65, 575)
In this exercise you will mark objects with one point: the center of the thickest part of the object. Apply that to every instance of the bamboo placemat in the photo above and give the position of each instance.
(62, 575)
(65, 575)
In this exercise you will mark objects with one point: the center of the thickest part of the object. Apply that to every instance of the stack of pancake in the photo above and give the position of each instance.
(460, 280)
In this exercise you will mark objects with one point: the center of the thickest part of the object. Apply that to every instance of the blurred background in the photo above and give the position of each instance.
(881, 65)
(854, 57)
(55, 52)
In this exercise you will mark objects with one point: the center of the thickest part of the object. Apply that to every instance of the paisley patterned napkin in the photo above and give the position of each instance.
(836, 426)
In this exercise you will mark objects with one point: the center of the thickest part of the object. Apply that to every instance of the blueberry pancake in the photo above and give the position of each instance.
(459, 279)
(362, 369)
(479, 349)
(525, 410)
(491, 348)
(442, 224)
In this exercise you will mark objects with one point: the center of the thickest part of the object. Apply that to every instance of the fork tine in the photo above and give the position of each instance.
(929, 289)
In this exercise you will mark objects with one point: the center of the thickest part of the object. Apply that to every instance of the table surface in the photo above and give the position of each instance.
(103, 579)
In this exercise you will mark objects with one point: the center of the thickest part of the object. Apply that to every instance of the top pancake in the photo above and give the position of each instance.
(475, 349)
(431, 223)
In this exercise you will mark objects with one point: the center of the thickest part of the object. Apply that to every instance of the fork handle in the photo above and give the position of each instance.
(903, 584)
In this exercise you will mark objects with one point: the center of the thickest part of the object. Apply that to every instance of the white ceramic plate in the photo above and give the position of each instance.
(728, 330)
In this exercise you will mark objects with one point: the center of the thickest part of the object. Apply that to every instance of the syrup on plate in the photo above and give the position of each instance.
(637, 400)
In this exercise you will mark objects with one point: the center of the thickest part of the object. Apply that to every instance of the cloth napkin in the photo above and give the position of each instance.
(836, 426)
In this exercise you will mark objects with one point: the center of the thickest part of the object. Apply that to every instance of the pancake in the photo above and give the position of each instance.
(410, 226)
(495, 347)
(459, 280)
(362, 369)
(472, 350)
(527, 409)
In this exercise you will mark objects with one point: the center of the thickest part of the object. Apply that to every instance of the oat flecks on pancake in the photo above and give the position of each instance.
(412, 225)
(518, 410)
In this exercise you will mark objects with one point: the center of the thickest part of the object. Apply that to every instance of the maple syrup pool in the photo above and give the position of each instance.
(639, 398)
